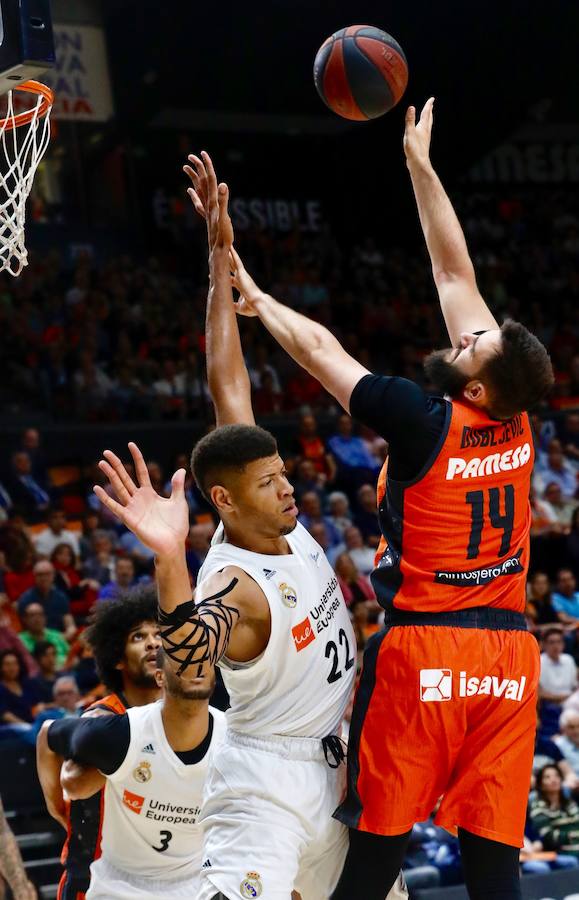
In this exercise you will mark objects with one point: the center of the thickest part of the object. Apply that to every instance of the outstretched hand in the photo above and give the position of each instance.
(210, 200)
(417, 135)
(161, 523)
(249, 292)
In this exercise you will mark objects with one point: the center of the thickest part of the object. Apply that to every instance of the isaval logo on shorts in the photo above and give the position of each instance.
(133, 801)
(303, 634)
(435, 685)
(251, 885)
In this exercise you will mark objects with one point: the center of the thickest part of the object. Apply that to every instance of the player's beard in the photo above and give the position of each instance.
(143, 678)
(182, 690)
(445, 377)
(287, 529)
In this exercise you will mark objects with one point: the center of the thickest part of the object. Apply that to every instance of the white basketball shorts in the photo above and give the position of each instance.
(109, 883)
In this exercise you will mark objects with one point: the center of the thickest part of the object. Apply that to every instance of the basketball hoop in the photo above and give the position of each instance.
(21, 149)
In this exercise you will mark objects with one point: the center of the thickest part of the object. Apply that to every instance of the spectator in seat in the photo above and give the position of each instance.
(64, 704)
(9, 640)
(18, 700)
(569, 436)
(366, 518)
(319, 532)
(554, 817)
(556, 469)
(568, 741)
(54, 534)
(545, 521)
(82, 593)
(547, 751)
(141, 555)
(566, 599)
(356, 465)
(362, 556)
(25, 491)
(310, 446)
(572, 544)
(307, 479)
(340, 510)
(558, 507)
(55, 603)
(35, 632)
(100, 565)
(43, 683)
(557, 681)
(311, 512)
(197, 548)
(30, 443)
(123, 581)
(356, 588)
(266, 400)
(539, 606)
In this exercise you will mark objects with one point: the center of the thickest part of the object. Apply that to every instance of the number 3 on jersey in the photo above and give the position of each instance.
(165, 837)
(333, 653)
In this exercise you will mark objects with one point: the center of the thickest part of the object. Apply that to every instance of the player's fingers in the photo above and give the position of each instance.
(211, 177)
(197, 203)
(140, 465)
(192, 174)
(112, 505)
(428, 109)
(120, 470)
(410, 117)
(199, 168)
(236, 258)
(178, 483)
(120, 490)
(223, 197)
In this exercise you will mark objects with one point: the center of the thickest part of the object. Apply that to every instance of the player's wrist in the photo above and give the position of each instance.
(419, 166)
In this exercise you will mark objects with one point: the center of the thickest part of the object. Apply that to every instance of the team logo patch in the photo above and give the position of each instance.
(303, 634)
(142, 773)
(288, 595)
(435, 685)
(133, 801)
(251, 885)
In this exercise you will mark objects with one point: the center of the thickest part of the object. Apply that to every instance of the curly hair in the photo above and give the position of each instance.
(110, 627)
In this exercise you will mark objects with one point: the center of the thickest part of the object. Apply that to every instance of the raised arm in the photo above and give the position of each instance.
(229, 614)
(11, 865)
(227, 374)
(463, 308)
(310, 344)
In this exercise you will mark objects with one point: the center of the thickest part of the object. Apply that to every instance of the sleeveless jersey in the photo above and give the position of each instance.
(458, 535)
(301, 684)
(83, 837)
(153, 802)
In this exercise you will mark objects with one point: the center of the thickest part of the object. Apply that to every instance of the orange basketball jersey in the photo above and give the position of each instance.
(458, 535)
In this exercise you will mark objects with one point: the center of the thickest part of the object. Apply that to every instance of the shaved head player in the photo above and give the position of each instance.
(446, 704)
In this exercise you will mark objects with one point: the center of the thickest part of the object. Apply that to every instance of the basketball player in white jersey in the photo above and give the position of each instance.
(268, 609)
(155, 759)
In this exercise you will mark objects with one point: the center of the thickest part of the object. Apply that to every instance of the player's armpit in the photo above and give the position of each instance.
(202, 630)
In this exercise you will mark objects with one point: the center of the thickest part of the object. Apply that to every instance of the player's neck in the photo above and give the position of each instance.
(140, 696)
(186, 722)
(256, 543)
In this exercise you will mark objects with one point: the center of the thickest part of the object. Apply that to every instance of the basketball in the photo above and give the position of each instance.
(360, 72)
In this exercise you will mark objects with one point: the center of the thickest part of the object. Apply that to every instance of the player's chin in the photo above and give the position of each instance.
(288, 527)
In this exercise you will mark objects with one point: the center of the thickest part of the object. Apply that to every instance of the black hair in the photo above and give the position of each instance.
(41, 648)
(539, 782)
(110, 627)
(21, 666)
(549, 632)
(228, 449)
(520, 375)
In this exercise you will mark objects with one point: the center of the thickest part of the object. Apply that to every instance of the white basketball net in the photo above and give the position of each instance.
(21, 149)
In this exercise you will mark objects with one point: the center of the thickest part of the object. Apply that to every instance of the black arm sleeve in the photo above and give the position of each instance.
(400, 411)
(101, 742)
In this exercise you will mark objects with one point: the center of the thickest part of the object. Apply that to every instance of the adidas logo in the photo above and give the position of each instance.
(206, 864)
(148, 749)
(269, 573)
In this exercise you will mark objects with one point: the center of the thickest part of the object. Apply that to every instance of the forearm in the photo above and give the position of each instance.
(442, 230)
(229, 383)
(305, 340)
(80, 782)
(11, 865)
(48, 765)
(173, 581)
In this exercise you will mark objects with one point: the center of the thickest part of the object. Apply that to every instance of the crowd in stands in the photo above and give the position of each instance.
(125, 342)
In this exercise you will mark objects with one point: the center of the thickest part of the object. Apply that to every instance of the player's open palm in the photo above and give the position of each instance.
(417, 134)
(161, 523)
(210, 199)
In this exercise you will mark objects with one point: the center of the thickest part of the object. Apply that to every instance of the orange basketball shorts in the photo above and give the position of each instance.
(445, 711)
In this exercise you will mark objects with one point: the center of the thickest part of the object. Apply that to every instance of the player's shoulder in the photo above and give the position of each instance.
(231, 586)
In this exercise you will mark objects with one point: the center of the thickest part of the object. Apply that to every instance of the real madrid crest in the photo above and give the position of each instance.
(142, 773)
(288, 595)
(251, 885)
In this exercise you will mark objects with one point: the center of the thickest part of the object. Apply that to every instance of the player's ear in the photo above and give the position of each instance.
(476, 393)
(160, 678)
(221, 499)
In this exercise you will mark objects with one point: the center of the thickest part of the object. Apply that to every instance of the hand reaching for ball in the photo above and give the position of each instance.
(417, 134)
(249, 293)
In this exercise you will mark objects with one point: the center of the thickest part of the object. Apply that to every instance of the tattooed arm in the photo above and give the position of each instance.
(230, 612)
(11, 865)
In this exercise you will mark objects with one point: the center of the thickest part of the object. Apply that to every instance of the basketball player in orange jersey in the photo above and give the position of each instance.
(124, 637)
(446, 704)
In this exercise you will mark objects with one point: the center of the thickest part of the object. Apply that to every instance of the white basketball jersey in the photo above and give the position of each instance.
(301, 683)
(153, 801)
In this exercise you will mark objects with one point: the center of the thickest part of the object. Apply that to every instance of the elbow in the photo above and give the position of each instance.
(453, 275)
